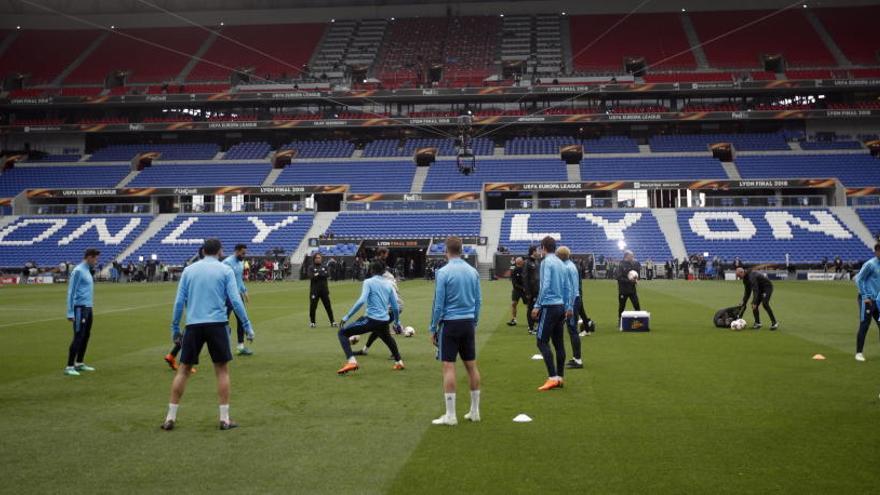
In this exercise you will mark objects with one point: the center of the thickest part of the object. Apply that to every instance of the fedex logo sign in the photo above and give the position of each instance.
(782, 225)
(41, 229)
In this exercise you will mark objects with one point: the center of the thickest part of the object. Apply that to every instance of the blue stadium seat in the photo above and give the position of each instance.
(871, 218)
(853, 170)
(50, 240)
(766, 236)
(652, 168)
(180, 240)
(328, 148)
(444, 176)
(169, 152)
(202, 174)
(17, 179)
(396, 176)
(830, 145)
(248, 151)
(597, 232)
(406, 225)
(701, 142)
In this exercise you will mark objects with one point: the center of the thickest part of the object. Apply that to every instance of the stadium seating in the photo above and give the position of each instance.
(17, 179)
(610, 144)
(871, 218)
(701, 142)
(599, 232)
(328, 148)
(440, 248)
(854, 30)
(44, 54)
(292, 44)
(50, 240)
(63, 158)
(543, 145)
(652, 168)
(248, 151)
(787, 33)
(853, 170)
(674, 77)
(169, 152)
(405, 225)
(344, 249)
(144, 62)
(766, 236)
(383, 147)
(446, 147)
(396, 176)
(179, 241)
(202, 174)
(830, 145)
(443, 176)
(659, 38)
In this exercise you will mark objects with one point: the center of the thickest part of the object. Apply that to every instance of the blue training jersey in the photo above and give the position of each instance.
(238, 269)
(868, 279)
(378, 295)
(456, 294)
(555, 284)
(204, 288)
(574, 279)
(80, 288)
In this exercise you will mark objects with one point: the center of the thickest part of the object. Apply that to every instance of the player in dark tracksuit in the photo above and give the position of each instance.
(531, 283)
(318, 274)
(758, 284)
(626, 288)
(519, 292)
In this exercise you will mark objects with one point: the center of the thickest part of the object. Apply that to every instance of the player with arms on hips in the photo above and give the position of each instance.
(236, 262)
(758, 284)
(868, 282)
(377, 294)
(454, 321)
(553, 307)
(80, 301)
(204, 288)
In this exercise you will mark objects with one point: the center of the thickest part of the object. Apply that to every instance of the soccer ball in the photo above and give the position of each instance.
(409, 331)
(738, 324)
(632, 275)
(354, 339)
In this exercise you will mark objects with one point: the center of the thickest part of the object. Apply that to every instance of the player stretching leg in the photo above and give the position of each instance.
(80, 297)
(236, 262)
(454, 321)
(553, 306)
(574, 281)
(203, 290)
(377, 294)
(868, 282)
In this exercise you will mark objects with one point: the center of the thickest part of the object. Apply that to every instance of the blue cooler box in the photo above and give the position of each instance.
(635, 321)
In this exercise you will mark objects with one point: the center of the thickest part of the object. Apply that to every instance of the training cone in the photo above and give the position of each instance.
(537, 357)
(818, 357)
(522, 418)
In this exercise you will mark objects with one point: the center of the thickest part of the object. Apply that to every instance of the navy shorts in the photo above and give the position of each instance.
(457, 338)
(214, 335)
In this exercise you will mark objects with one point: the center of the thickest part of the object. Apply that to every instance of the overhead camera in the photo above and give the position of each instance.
(465, 159)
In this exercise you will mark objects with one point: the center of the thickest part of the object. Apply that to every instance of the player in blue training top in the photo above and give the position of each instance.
(378, 295)
(574, 281)
(454, 320)
(204, 288)
(80, 300)
(868, 282)
(551, 310)
(236, 262)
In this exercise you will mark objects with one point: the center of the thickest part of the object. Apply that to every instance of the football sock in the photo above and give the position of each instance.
(450, 405)
(352, 360)
(224, 413)
(475, 401)
(172, 412)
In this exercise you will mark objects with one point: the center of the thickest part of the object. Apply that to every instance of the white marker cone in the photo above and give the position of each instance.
(522, 418)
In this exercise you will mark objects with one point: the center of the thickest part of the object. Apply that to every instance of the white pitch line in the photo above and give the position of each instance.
(97, 314)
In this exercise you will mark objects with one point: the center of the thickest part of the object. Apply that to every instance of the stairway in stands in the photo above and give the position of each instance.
(320, 223)
(667, 220)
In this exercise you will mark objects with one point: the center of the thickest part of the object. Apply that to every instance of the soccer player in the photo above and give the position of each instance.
(318, 289)
(626, 288)
(532, 284)
(204, 288)
(519, 291)
(382, 255)
(236, 262)
(868, 282)
(574, 280)
(553, 305)
(80, 299)
(378, 295)
(758, 284)
(454, 321)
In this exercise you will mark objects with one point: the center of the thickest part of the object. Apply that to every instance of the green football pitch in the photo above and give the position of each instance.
(686, 408)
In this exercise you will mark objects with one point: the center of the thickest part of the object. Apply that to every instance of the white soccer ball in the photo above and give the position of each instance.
(354, 339)
(738, 324)
(409, 331)
(632, 275)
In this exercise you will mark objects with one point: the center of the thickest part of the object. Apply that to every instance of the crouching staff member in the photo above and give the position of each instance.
(868, 282)
(318, 275)
(626, 288)
(758, 284)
